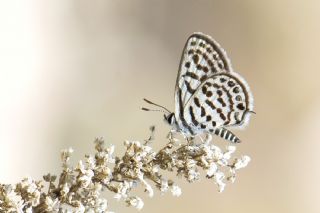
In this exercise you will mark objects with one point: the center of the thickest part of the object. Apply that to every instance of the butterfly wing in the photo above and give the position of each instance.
(202, 57)
(222, 100)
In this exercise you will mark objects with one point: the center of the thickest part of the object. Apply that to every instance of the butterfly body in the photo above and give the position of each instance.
(209, 96)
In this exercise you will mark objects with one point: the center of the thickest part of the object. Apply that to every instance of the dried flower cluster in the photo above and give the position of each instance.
(78, 189)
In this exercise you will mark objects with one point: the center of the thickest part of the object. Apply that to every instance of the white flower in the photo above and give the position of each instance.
(242, 162)
(80, 208)
(101, 205)
(65, 189)
(51, 204)
(65, 154)
(29, 210)
(148, 188)
(219, 177)
(227, 155)
(135, 202)
(176, 190)
(85, 179)
(91, 162)
(164, 185)
(212, 169)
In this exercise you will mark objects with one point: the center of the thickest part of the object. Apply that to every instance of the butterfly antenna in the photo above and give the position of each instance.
(149, 102)
(152, 110)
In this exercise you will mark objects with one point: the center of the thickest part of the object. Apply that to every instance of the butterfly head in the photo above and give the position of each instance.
(170, 118)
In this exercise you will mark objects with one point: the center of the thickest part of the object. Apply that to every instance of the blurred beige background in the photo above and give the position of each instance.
(74, 70)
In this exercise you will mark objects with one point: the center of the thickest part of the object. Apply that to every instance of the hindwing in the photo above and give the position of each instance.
(222, 100)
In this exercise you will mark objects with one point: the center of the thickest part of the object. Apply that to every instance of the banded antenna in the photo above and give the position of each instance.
(155, 110)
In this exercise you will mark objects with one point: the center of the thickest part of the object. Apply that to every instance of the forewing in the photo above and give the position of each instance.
(222, 100)
(201, 57)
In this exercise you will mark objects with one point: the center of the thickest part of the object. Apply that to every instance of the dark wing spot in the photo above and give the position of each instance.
(222, 116)
(196, 101)
(209, 50)
(236, 90)
(210, 104)
(231, 83)
(201, 44)
(208, 84)
(189, 88)
(210, 63)
(226, 123)
(208, 118)
(203, 126)
(238, 98)
(215, 55)
(203, 112)
(193, 43)
(190, 52)
(199, 52)
(195, 59)
(220, 64)
(199, 67)
(213, 69)
(205, 56)
(204, 77)
(240, 106)
(204, 89)
(192, 75)
(209, 94)
(193, 119)
(216, 86)
(219, 110)
(187, 64)
(220, 100)
(205, 69)
(222, 80)
(214, 123)
(219, 92)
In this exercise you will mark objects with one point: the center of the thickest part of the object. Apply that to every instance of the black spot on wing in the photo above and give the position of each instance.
(189, 88)
(210, 104)
(192, 75)
(240, 106)
(203, 126)
(204, 89)
(196, 101)
(193, 119)
(209, 94)
(195, 59)
(203, 112)
(203, 78)
(231, 83)
(238, 98)
(221, 101)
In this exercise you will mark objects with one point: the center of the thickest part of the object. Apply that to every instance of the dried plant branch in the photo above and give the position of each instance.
(78, 189)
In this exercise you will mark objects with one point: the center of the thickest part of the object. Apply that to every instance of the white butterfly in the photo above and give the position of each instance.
(209, 95)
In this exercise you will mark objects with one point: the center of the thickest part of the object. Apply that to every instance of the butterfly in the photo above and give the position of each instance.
(209, 96)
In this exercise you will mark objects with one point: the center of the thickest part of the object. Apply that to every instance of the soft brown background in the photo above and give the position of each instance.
(74, 70)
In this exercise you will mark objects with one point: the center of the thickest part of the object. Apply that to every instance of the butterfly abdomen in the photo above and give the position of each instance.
(227, 135)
